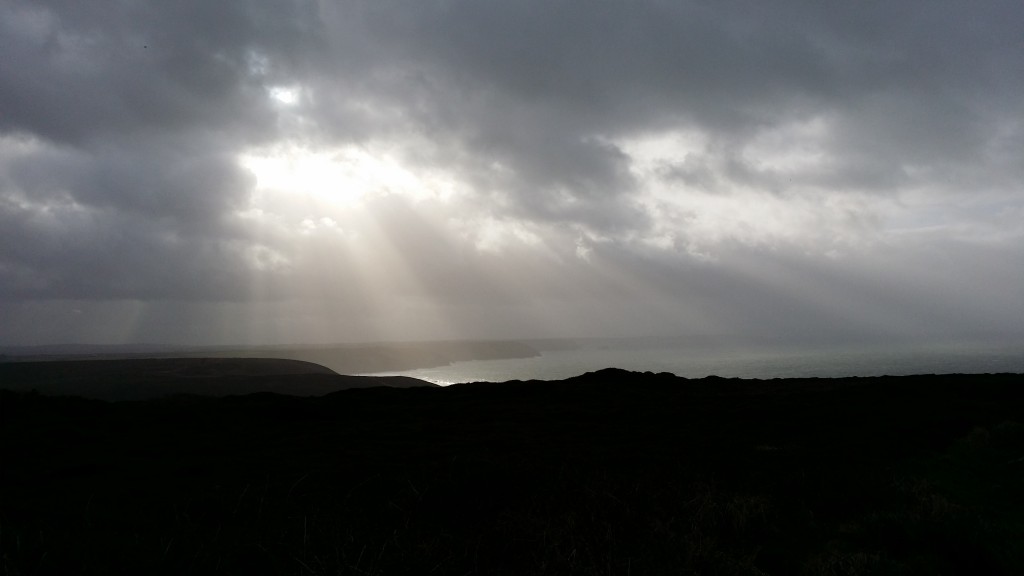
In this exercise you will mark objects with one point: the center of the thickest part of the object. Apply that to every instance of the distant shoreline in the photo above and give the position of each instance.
(154, 378)
(341, 358)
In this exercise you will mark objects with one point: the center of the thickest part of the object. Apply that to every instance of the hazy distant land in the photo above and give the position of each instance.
(341, 358)
(149, 378)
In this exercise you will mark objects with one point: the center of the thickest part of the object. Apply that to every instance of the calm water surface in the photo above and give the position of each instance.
(575, 358)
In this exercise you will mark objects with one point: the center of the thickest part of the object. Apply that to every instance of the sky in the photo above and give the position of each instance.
(303, 171)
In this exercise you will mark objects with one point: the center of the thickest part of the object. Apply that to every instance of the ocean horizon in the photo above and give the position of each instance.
(559, 359)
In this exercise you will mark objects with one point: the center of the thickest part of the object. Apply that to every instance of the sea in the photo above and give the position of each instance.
(558, 359)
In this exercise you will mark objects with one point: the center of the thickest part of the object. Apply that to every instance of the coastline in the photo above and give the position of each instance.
(359, 358)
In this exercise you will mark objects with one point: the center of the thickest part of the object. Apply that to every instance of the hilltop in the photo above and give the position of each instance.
(611, 472)
(150, 378)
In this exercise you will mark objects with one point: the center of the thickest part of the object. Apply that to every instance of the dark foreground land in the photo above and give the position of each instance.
(608, 473)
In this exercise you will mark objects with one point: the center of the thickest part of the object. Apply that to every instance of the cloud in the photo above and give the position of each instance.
(513, 168)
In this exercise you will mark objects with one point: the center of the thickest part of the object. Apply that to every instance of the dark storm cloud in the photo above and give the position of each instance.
(121, 128)
(914, 93)
(76, 72)
(189, 182)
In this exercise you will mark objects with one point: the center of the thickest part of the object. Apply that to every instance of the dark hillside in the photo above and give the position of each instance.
(142, 379)
(608, 473)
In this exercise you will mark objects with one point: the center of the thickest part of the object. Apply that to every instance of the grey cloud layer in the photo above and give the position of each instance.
(120, 130)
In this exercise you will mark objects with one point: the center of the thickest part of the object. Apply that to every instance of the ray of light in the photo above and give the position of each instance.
(325, 210)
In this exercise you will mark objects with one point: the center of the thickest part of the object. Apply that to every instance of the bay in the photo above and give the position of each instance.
(560, 359)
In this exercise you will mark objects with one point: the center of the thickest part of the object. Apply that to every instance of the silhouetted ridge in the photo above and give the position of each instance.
(643, 472)
(140, 379)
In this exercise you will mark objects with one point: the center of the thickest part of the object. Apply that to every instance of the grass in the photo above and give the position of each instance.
(616, 473)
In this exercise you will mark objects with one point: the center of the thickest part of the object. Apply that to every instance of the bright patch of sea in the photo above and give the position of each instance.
(566, 358)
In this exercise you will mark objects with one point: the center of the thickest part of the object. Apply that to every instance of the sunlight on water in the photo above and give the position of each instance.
(733, 361)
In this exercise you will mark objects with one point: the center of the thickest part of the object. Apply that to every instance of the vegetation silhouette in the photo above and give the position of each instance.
(610, 472)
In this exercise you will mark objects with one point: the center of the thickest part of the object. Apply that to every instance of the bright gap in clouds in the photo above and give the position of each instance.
(346, 234)
(285, 95)
(301, 190)
(340, 177)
